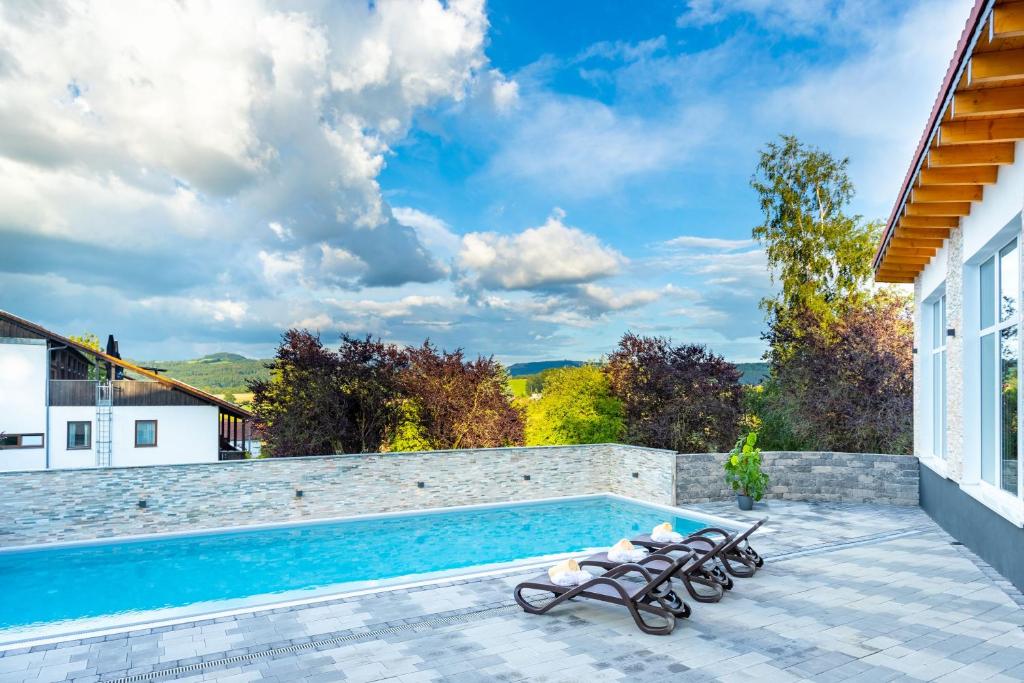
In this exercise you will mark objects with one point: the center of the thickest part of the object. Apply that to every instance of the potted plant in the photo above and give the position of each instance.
(743, 472)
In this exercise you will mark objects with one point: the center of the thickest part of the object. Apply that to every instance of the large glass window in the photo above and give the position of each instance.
(939, 377)
(1000, 354)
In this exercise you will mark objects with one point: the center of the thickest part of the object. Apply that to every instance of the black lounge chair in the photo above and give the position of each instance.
(652, 595)
(699, 570)
(736, 557)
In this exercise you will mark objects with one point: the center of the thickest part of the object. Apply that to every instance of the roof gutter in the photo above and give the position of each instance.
(961, 58)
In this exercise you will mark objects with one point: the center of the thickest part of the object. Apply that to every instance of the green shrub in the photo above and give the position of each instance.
(743, 468)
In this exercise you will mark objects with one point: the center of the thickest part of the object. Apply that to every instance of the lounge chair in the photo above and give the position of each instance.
(736, 557)
(652, 595)
(699, 570)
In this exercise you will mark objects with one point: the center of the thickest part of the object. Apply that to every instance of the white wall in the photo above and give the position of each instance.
(23, 400)
(185, 434)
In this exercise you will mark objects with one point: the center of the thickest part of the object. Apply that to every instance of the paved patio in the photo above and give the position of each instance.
(849, 593)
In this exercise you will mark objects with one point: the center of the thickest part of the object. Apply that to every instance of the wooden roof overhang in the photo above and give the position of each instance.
(225, 407)
(974, 125)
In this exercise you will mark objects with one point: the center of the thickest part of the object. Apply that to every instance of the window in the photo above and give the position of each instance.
(21, 440)
(1000, 354)
(79, 435)
(145, 433)
(938, 370)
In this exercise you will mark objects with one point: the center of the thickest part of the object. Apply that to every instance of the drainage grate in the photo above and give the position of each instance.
(843, 545)
(433, 622)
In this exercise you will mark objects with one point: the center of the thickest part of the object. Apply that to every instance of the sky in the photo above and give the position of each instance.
(527, 180)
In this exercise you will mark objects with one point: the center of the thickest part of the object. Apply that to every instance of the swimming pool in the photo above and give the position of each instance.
(69, 589)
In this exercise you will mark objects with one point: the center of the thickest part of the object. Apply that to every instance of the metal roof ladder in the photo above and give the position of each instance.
(104, 415)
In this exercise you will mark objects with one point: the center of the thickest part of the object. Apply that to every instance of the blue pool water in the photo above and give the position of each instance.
(206, 572)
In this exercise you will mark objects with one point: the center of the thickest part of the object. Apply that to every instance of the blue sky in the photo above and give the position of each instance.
(528, 180)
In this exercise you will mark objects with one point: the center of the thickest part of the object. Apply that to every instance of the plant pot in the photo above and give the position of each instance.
(745, 502)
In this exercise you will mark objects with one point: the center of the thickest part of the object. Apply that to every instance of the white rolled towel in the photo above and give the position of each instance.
(663, 534)
(568, 573)
(624, 551)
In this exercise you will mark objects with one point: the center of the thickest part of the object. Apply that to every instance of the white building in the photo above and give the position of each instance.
(955, 234)
(63, 404)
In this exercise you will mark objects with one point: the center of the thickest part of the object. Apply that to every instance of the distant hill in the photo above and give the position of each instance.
(753, 373)
(532, 368)
(217, 373)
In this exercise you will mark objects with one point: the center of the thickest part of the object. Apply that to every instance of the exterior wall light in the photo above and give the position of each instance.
(298, 493)
(951, 332)
(526, 477)
(142, 503)
(636, 475)
(419, 484)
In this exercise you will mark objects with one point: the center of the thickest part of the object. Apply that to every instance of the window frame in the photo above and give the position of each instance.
(88, 434)
(155, 435)
(996, 329)
(938, 343)
(20, 437)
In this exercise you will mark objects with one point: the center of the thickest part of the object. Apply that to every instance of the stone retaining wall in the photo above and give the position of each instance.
(812, 476)
(63, 505)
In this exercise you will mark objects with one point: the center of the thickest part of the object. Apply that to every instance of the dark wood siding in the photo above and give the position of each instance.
(11, 329)
(126, 393)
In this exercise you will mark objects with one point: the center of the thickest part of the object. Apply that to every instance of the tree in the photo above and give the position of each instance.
(577, 406)
(820, 255)
(87, 339)
(460, 403)
(850, 388)
(683, 398)
(318, 401)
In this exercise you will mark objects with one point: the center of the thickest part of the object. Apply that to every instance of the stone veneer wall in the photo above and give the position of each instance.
(63, 505)
(809, 476)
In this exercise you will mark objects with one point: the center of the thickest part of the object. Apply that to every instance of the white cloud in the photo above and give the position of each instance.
(548, 255)
(284, 234)
(504, 92)
(603, 299)
(432, 231)
(184, 125)
(584, 147)
(717, 243)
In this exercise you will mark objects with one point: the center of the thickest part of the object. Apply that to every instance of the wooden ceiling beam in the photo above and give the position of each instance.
(938, 209)
(894, 280)
(947, 193)
(989, 102)
(916, 244)
(926, 235)
(959, 175)
(929, 222)
(992, 67)
(1008, 20)
(897, 250)
(1006, 129)
(910, 260)
(980, 154)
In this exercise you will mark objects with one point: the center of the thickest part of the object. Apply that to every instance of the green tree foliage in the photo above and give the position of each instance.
(87, 339)
(849, 388)
(577, 406)
(93, 342)
(460, 403)
(683, 398)
(321, 401)
(820, 255)
(839, 351)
